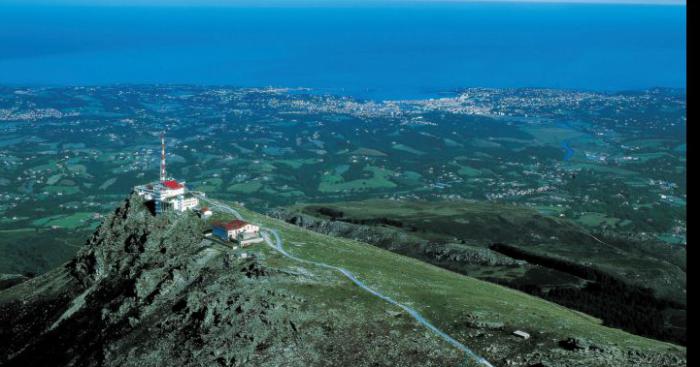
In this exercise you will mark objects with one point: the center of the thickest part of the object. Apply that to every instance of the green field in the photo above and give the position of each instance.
(596, 220)
(447, 298)
(336, 183)
(245, 187)
(71, 221)
(407, 149)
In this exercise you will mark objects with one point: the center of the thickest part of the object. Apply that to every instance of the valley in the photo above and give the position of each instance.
(552, 258)
(149, 273)
(69, 154)
(577, 198)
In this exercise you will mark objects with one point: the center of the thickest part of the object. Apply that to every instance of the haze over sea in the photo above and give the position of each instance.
(378, 50)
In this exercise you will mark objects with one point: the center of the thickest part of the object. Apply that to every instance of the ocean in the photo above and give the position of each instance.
(367, 50)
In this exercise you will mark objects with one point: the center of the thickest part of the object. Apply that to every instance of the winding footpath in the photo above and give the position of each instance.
(276, 244)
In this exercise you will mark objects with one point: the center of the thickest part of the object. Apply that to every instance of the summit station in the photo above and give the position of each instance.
(167, 193)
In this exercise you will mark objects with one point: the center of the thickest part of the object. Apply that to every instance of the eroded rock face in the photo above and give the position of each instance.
(149, 292)
(383, 237)
(145, 291)
(493, 339)
(8, 280)
(450, 255)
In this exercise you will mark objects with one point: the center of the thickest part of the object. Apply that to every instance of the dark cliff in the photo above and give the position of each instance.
(148, 291)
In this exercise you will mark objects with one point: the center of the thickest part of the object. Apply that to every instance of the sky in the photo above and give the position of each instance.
(307, 2)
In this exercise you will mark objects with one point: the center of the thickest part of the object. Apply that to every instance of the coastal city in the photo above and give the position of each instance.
(361, 183)
(614, 163)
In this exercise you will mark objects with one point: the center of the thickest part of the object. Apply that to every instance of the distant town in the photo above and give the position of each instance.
(613, 162)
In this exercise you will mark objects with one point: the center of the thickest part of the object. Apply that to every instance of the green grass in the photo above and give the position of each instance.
(648, 143)
(603, 169)
(451, 143)
(262, 166)
(412, 175)
(646, 157)
(482, 224)
(295, 163)
(209, 185)
(71, 221)
(77, 168)
(245, 187)
(468, 171)
(54, 179)
(37, 250)
(406, 148)
(336, 183)
(551, 210)
(108, 183)
(596, 220)
(17, 230)
(206, 188)
(553, 135)
(368, 152)
(443, 296)
(65, 190)
(671, 238)
(243, 150)
(51, 165)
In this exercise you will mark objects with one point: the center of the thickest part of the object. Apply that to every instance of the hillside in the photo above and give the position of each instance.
(639, 286)
(148, 291)
(143, 292)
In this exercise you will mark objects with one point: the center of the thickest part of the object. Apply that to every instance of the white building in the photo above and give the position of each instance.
(236, 230)
(182, 203)
(168, 194)
(206, 212)
(249, 238)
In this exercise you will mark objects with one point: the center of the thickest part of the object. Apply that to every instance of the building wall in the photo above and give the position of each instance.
(167, 193)
(245, 229)
(190, 203)
(184, 204)
(235, 233)
(250, 241)
(221, 233)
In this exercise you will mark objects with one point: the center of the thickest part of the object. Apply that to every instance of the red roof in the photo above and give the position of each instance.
(234, 224)
(172, 184)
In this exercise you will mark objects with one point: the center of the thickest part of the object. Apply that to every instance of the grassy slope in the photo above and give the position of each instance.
(29, 250)
(485, 223)
(442, 296)
(445, 297)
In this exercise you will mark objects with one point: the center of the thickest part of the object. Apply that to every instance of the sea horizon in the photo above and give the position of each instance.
(376, 52)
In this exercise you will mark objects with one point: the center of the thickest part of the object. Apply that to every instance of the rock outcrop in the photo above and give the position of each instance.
(153, 291)
(455, 256)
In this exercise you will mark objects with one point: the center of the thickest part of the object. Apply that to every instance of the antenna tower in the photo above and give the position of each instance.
(162, 157)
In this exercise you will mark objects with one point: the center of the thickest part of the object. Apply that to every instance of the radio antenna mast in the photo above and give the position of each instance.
(162, 157)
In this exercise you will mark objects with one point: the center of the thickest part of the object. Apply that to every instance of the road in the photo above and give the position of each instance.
(276, 244)
(216, 205)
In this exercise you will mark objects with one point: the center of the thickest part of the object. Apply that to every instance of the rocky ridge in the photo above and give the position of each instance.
(149, 292)
(456, 254)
